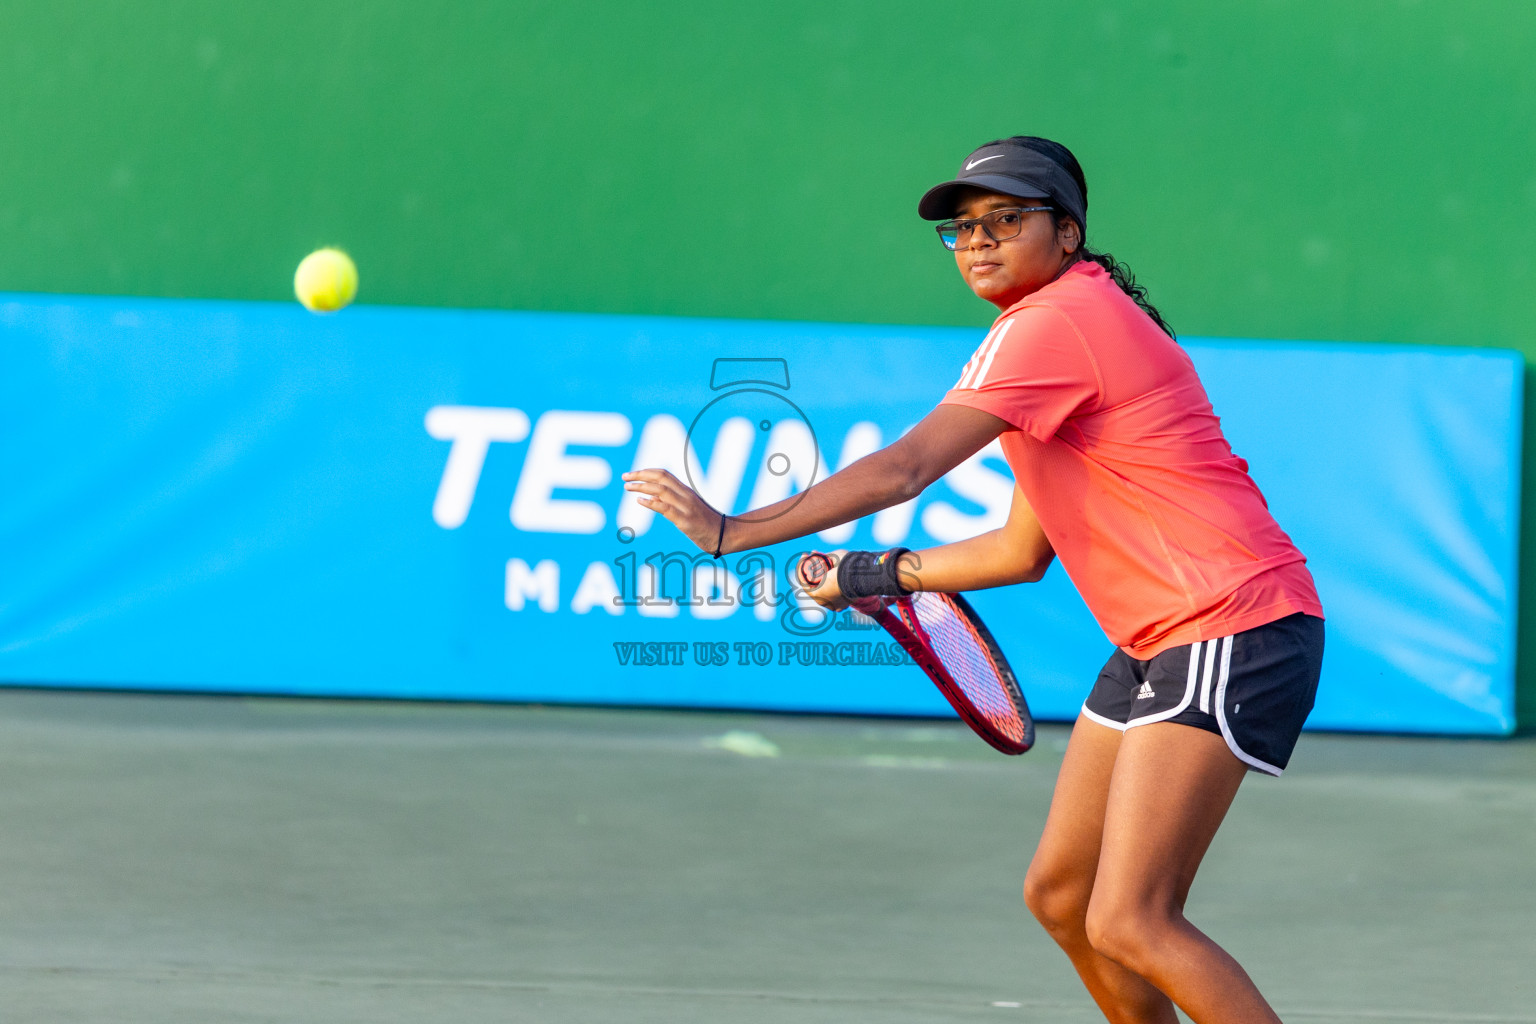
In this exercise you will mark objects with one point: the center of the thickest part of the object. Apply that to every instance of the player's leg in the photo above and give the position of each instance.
(1060, 881)
(1171, 787)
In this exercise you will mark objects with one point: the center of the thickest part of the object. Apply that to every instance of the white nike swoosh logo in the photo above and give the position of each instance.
(983, 160)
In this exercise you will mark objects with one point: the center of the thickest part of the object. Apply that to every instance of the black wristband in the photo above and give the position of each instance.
(871, 574)
(720, 540)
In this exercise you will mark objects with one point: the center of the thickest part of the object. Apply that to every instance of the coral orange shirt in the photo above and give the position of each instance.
(1120, 454)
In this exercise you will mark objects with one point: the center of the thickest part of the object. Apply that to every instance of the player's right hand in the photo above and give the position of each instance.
(830, 596)
(827, 593)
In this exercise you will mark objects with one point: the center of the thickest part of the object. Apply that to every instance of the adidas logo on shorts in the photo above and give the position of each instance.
(1145, 692)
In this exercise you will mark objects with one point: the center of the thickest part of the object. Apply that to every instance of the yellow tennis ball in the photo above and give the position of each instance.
(326, 280)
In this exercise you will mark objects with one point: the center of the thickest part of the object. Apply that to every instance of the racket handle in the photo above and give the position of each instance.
(814, 568)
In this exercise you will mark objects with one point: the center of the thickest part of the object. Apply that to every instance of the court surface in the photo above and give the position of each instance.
(181, 859)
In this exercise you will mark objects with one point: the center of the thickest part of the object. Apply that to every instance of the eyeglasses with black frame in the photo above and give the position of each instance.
(1000, 225)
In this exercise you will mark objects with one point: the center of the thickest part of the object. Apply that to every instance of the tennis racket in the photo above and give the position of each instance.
(946, 637)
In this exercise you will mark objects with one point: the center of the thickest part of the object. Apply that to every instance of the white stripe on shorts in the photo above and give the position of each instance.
(1189, 691)
(1094, 716)
(1221, 715)
(1205, 684)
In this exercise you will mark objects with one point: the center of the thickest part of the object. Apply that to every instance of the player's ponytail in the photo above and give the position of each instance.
(1127, 281)
(1063, 158)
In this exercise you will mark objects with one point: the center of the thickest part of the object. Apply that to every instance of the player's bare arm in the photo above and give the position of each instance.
(944, 438)
(1016, 552)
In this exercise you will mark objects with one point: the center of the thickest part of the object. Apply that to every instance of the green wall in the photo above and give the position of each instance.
(1338, 171)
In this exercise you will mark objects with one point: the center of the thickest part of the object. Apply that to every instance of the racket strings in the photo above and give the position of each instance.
(970, 665)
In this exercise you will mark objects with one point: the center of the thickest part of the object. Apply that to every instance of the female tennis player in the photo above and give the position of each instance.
(1123, 474)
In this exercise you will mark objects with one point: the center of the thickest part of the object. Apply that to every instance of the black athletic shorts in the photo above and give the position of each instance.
(1254, 688)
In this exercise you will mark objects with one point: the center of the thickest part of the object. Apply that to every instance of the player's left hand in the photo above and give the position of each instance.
(662, 492)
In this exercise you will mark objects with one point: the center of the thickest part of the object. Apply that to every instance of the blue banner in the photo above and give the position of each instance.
(426, 503)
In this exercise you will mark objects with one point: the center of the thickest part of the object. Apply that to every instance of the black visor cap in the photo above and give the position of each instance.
(1012, 169)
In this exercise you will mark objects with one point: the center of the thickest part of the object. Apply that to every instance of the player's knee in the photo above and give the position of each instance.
(1056, 898)
(1108, 934)
(1123, 934)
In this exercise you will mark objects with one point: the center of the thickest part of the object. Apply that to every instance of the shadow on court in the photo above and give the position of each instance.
(175, 859)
